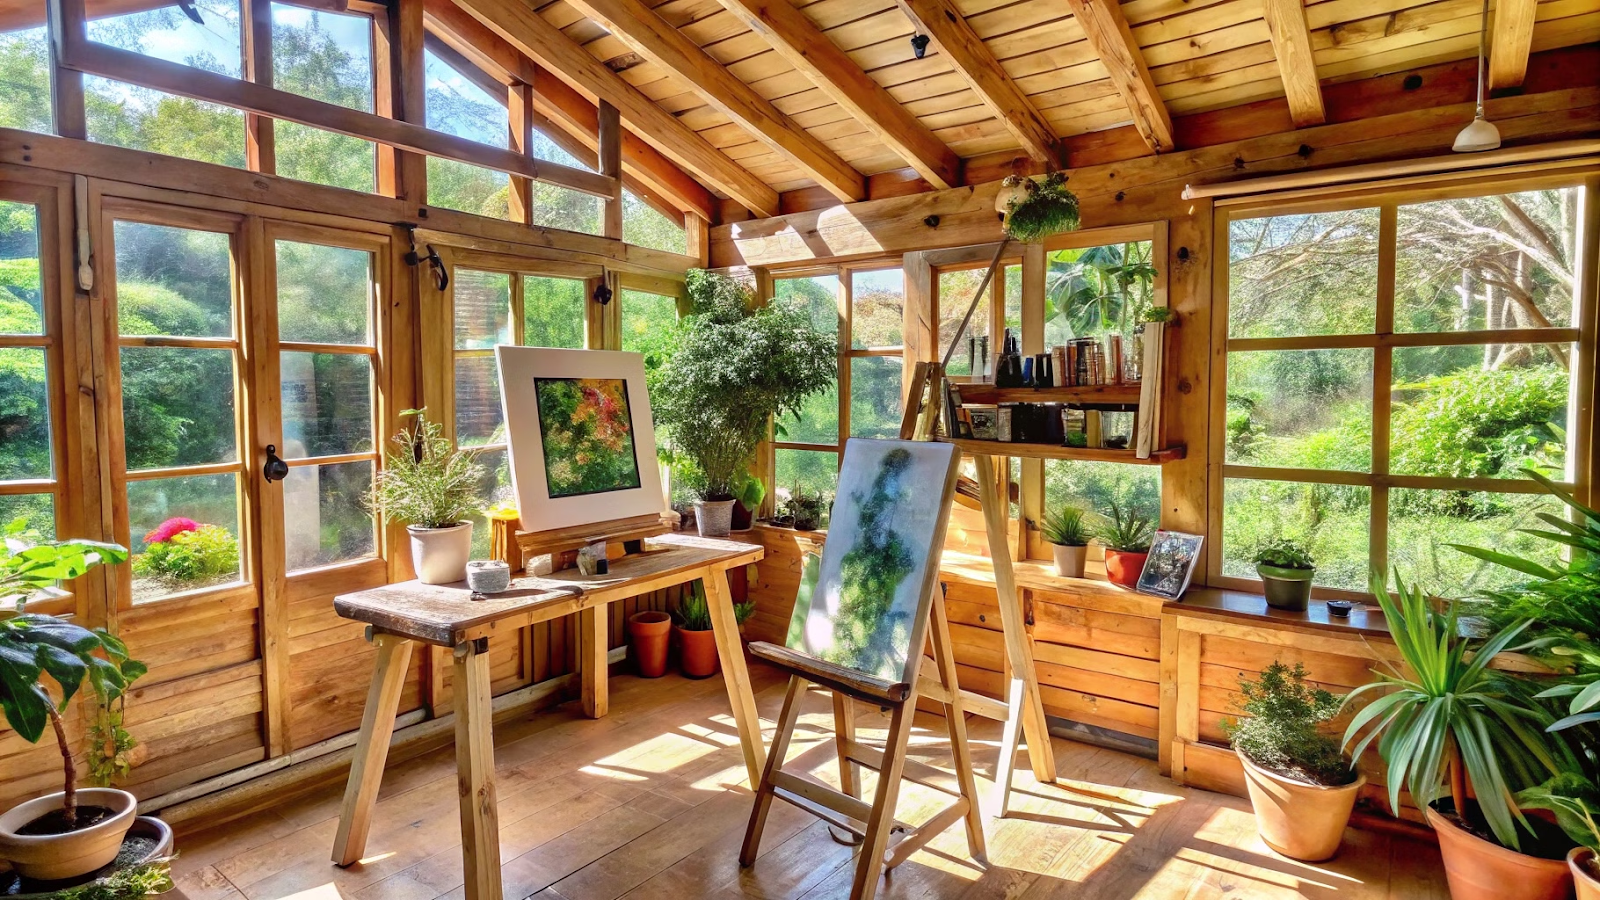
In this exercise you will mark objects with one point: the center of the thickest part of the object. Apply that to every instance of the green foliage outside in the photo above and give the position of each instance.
(205, 553)
(1280, 731)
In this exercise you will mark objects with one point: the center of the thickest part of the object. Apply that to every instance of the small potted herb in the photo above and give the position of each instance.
(433, 488)
(1126, 534)
(697, 644)
(1301, 784)
(806, 508)
(1286, 569)
(1068, 533)
(1576, 804)
(746, 502)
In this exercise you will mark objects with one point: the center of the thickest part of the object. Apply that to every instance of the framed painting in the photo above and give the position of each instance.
(581, 439)
(1170, 565)
(870, 603)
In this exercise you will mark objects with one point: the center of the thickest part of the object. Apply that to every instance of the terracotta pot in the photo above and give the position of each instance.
(1288, 589)
(713, 518)
(650, 632)
(1480, 870)
(1123, 567)
(1069, 559)
(697, 653)
(1581, 861)
(50, 857)
(440, 554)
(1301, 821)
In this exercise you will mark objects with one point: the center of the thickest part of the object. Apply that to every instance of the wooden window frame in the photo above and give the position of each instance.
(1383, 340)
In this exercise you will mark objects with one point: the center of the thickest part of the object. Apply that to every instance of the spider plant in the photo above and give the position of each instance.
(1067, 526)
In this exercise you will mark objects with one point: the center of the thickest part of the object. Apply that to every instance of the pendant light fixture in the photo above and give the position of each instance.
(1481, 134)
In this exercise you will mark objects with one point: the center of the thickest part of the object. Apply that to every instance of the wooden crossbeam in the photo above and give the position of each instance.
(1510, 40)
(1291, 44)
(523, 28)
(1107, 32)
(803, 44)
(968, 55)
(646, 33)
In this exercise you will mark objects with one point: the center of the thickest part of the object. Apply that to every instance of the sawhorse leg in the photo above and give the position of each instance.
(735, 674)
(480, 817)
(372, 748)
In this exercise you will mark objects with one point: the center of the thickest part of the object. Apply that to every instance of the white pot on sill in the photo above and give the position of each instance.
(440, 554)
(1070, 559)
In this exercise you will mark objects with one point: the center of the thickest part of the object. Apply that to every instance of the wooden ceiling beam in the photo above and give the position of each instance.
(646, 33)
(803, 44)
(1291, 44)
(1510, 41)
(1107, 32)
(524, 29)
(971, 59)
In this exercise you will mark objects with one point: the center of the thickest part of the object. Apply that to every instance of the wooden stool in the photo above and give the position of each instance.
(846, 810)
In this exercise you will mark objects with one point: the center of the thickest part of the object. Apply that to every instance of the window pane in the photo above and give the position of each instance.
(494, 488)
(184, 533)
(459, 107)
(1485, 263)
(643, 225)
(177, 406)
(1092, 486)
(322, 157)
(32, 515)
(1301, 409)
(327, 404)
(20, 288)
(1479, 411)
(26, 55)
(875, 403)
(477, 401)
(818, 422)
(878, 319)
(468, 188)
(1332, 520)
(553, 206)
(24, 414)
(325, 515)
(322, 55)
(812, 471)
(1303, 274)
(955, 292)
(167, 33)
(1422, 522)
(173, 281)
(648, 321)
(1097, 291)
(483, 309)
(125, 115)
(817, 295)
(552, 312)
(324, 294)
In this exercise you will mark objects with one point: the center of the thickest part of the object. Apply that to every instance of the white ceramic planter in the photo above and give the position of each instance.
(714, 518)
(49, 857)
(1069, 559)
(440, 554)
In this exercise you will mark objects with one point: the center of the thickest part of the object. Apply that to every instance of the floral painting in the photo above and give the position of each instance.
(587, 432)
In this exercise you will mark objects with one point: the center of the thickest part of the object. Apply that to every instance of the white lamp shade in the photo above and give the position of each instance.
(1480, 135)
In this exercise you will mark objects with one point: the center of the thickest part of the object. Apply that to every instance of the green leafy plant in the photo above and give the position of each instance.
(1067, 526)
(1044, 209)
(1127, 530)
(132, 883)
(1575, 802)
(1285, 553)
(805, 508)
(743, 611)
(426, 482)
(26, 568)
(206, 552)
(1448, 717)
(694, 613)
(1281, 733)
(752, 494)
(110, 745)
(734, 366)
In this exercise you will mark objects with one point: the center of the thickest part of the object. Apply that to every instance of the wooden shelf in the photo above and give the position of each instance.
(983, 392)
(1054, 451)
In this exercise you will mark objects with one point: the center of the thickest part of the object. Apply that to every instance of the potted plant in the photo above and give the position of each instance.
(1068, 534)
(746, 503)
(433, 488)
(733, 367)
(1576, 804)
(1449, 727)
(76, 831)
(806, 508)
(1301, 785)
(1126, 534)
(1286, 569)
(697, 645)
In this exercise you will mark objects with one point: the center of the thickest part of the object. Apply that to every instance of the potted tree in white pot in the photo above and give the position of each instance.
(734, 365)
(433, 488)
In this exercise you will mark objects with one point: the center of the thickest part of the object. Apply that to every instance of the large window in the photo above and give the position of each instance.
(326, 56)
(1392, 366)
(29, 477)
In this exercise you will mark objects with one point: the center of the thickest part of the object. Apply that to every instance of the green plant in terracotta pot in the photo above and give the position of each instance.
(1068, 531)
(697, 644)
(1301, 784)
(1575, 802)
(1126, 534)
(1286, 569)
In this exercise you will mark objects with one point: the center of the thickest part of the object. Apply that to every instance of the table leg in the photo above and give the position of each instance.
(730, 652)
(593, 660)
(480, 818)
(372, 748)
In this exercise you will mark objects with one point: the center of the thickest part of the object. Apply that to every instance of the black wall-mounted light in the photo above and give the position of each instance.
(602, 293)
(919, 45)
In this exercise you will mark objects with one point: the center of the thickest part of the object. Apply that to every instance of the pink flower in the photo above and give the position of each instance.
(164, 532)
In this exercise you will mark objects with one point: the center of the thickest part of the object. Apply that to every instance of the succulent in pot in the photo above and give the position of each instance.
(1286, 569)
(78, 830)
(1067, 529)
(433, 488)
(1126, 534)
(806, 509)
(1301, 784)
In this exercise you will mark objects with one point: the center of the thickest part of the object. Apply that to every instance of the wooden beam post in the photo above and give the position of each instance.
(1291, 44)
(519, 107)
(1510, 41)
(67, 25)
(260, 139)
(400, 89)
(1107, 31)
(610, 152)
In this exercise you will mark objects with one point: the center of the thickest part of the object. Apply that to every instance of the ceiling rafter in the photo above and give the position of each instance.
(803, 44)
(971, 59)
(646, 33)
(1107, 32)
(1291, 44)
(517, 24)
(1510, 41)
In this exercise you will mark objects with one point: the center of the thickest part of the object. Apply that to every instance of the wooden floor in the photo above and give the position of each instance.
(651, 802)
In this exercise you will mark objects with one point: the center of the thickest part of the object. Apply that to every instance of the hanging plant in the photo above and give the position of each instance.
(1040, 209)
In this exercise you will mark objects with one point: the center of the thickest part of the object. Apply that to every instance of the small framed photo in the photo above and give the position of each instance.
(1171, 563)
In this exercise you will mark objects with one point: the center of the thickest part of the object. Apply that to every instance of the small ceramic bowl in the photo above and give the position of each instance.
(488, 576)
(1340, 609)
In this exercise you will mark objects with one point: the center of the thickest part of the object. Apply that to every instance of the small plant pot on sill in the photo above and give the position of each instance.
(1299, 820)
(1585, 873)
(651, 633)
(1123, 567)
(53, 857)
(713, 518)
(697, 653)
(440, 554)
(1288, 589)
(1477, 869)
(1069, 559)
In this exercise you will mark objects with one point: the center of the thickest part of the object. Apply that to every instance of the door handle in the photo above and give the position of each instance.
(274, 469)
